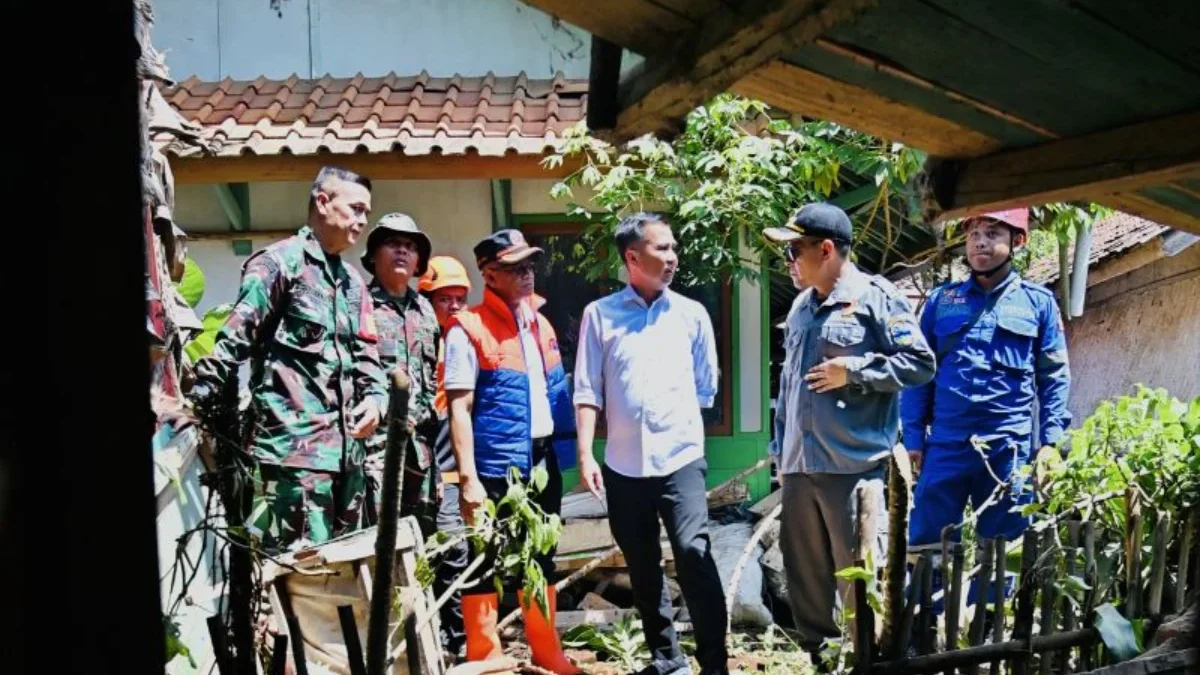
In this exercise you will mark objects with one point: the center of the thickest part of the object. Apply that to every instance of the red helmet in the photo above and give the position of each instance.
(1018, 219)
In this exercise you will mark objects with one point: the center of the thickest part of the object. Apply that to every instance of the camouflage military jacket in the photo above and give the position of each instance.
(303, 320)
(408, 339)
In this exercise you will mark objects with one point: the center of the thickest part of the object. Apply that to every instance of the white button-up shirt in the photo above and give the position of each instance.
(651, 369)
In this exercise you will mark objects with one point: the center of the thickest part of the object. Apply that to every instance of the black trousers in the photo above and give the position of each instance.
(635, 506)
(550, 500)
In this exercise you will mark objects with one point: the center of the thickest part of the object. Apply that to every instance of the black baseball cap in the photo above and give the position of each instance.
(507, 247)
(821, 220)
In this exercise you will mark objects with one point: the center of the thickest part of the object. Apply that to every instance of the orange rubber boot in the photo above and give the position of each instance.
(480, 614)
(543, 638)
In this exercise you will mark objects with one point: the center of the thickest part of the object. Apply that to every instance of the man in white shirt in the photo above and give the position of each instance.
(647, 357)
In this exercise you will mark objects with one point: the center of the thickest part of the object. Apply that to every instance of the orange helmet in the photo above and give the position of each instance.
(444, 272)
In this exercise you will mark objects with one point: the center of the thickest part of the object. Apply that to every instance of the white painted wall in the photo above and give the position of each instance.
(243, 39)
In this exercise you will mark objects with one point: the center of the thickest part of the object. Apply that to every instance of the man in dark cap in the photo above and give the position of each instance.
(397, 252)
(852, 344)
(510, 407)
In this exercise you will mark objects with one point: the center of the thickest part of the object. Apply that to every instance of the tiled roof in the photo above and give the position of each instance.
(416, 115)
(1111, 236)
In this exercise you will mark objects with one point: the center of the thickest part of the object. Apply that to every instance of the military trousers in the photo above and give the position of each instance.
(293, 507)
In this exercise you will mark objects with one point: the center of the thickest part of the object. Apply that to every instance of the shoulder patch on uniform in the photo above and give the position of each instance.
(900, 329)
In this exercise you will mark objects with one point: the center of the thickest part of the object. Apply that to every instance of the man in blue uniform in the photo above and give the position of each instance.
(1000, 348)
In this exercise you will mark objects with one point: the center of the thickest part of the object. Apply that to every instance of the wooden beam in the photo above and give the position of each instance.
(642, 26)
(1088, 167)
(603, 80)
(727, 47)
(789, 87)
(1140, 205)
(382, 166)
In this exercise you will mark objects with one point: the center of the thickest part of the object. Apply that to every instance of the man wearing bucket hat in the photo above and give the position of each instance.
(851, 345)
(397, 251)
(445, 284)
(510, 407)
(1000, 347)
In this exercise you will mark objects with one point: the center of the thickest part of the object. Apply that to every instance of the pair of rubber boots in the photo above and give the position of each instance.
(481, 613)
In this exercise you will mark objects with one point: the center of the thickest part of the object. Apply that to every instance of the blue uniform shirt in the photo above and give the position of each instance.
(852, 429)
(990, 372)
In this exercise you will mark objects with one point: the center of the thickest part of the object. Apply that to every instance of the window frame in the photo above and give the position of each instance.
(566, 227)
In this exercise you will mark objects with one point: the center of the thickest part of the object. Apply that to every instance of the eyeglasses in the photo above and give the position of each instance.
(518, 270)
(792, 251)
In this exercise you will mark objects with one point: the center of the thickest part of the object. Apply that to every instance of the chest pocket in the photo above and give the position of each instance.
(1015, 333)
(304, 326)
(842, 337)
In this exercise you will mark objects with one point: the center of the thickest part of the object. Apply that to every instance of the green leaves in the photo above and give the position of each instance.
(723, 179)
(191, 286)
(205, 341)
(1118, 634)
(175, 646)
(624, 642)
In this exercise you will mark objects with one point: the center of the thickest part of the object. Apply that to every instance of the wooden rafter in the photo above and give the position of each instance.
(383, 166)
(725, 48)
(788, 87)
(642, 26)
(1092, 167)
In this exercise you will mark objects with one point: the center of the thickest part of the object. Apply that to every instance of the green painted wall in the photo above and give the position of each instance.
(727, 455)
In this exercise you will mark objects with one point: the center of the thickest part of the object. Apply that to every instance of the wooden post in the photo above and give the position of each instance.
(1072, 553)
(1000, 571)
(864, 621)
(954, 604)
(354, 652)
(1133, 567)
(279, 655)
(216, 633)
(1089, 601)
(389, 513)
(926, 638)
(1158, 568)
(904, 638)
(1185, 555)
(981, 585)
(895, 571)
(1046, 578)
(1023, 617)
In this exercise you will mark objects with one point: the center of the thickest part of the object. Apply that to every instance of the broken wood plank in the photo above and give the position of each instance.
(765, 505)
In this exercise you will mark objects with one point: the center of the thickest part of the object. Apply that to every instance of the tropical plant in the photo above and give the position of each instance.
(731, 172)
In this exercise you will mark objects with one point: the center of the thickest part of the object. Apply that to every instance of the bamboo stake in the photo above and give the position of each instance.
(954, 605)
(971, 657)
(1185, 556)
(1046, 575)
(389, 513)
(981, 585)
(904, 636)
(1087, 654)
(895, 571)
(1158, 569)
(354, 652)
(1000, 570)
(1023, 617)
(1133, 567)
(1072, 553)
(925, 640)
(864, 619)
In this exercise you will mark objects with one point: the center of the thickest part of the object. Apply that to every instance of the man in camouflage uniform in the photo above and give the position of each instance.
(397, 251)
(303, 321)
